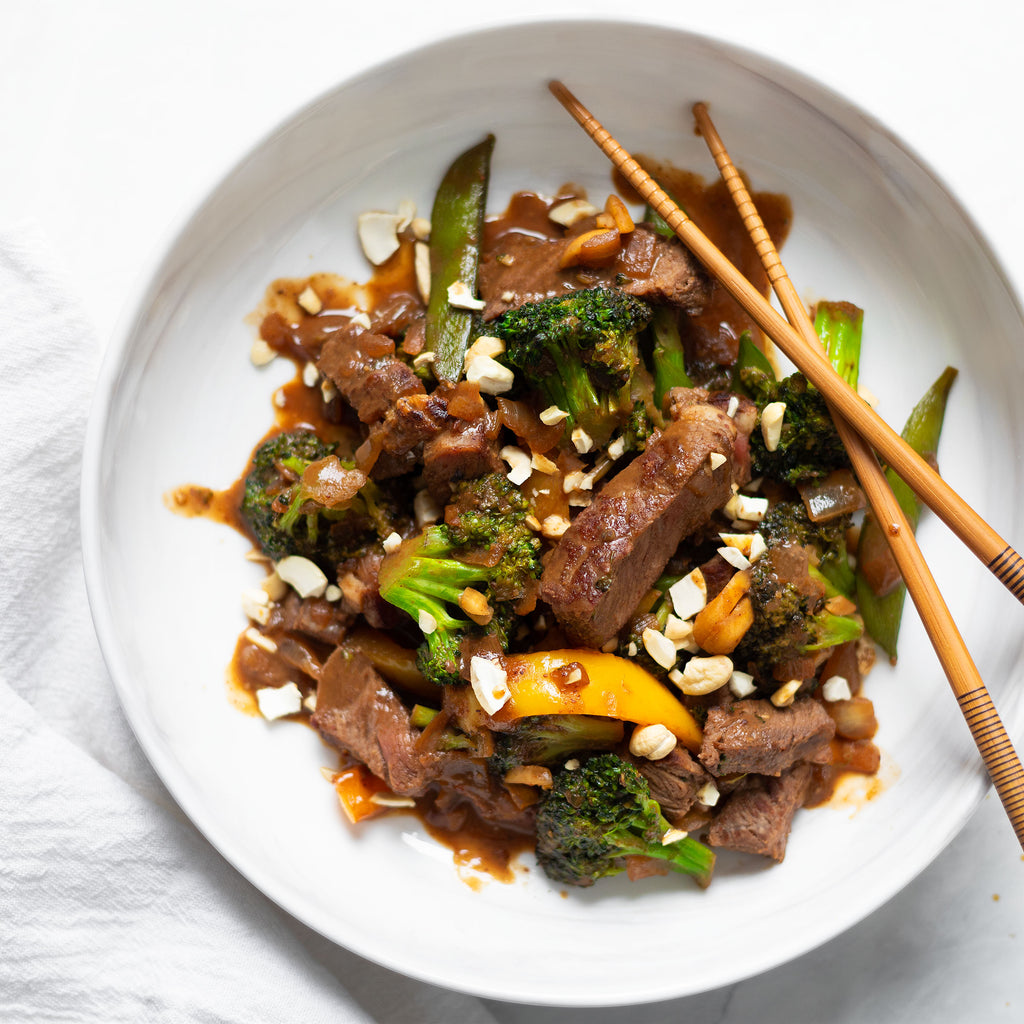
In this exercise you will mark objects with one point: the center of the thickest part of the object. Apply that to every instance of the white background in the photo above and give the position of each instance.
(117, 116)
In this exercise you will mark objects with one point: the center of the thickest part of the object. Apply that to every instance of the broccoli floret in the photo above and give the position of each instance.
(486, 546)
(602, 812)
(790, 619)
(487, 516)
(809, 447)
(789, 521)
(286, 520)
(550, 739)
(637, 429)
(579, 352)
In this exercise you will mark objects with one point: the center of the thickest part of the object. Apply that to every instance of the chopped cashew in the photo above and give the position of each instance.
(310, 301)
(784, 695)
(305, 577)
(461, 297)
(552, 415)
(519, 464)
(771, 424)
(490, 684)
(741, 684)
(554, 526)
(278, 701)
(256, 605)
(378, 235)
(421, 264)
(572, 211)
(485, 345)
(489, 375)
(708, 794)
(836, 688)
(705, 675)
(689, 594)
(652, 741)
(261, 353)
(426, 509)
(543, 464)
(582, 441)
(659, 647)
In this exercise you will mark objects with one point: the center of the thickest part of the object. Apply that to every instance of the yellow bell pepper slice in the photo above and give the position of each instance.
(617, 688)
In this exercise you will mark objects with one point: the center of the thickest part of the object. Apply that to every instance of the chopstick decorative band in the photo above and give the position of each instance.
(1008, 568)
(1001, 760)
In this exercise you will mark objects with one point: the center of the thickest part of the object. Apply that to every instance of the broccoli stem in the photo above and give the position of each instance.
(667, 356)
(685, 855)
(835, 572)
(833, 630)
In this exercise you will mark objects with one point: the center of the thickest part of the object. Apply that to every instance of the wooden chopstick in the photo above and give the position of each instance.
(997, 752)
(998, 556)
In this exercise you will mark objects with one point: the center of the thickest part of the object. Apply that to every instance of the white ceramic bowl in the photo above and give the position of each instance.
(178, 401)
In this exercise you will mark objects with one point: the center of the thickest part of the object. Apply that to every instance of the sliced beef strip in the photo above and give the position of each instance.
(460, 451)
(467, 785)
(358, 711)
(756, 736)
(618, 546)
(314, 617)
(758, 816)
(674, 780)
(648, 266)
(744, 415)
(364, 369)
(360, 591)
(443, 431)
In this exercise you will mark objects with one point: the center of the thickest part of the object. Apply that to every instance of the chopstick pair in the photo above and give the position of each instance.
(857, 426)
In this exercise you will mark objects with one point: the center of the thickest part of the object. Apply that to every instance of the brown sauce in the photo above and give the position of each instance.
(479, 847)
(714, 334)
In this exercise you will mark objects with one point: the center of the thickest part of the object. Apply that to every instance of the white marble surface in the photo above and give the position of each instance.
(117, 115)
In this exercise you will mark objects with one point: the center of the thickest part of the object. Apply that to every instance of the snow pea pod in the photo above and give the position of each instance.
(456, 233)
(880, 591)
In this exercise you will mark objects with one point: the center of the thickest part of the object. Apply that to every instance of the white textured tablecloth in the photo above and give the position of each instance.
(112, 906)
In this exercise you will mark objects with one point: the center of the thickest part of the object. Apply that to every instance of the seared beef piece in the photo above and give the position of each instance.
(451, 430)
(360, 593)
(744, 416)
(716, 572)
(758, 816)
(363, 367)
(259, 668)
(674, 781)
(647, 266)
(461, 451)
(466, 785)
(359, 712)
(756, 736)
(311, 616)
(618, 546)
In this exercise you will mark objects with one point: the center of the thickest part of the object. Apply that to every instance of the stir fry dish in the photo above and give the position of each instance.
(556, 559)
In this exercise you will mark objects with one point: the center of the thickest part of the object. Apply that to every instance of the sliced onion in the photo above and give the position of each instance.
(521, 419)
(834, 496)
(328, 483)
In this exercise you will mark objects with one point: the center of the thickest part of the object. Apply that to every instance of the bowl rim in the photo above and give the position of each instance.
(137, 301)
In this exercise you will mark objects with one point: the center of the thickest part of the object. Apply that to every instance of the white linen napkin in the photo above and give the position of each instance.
(112, 906)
